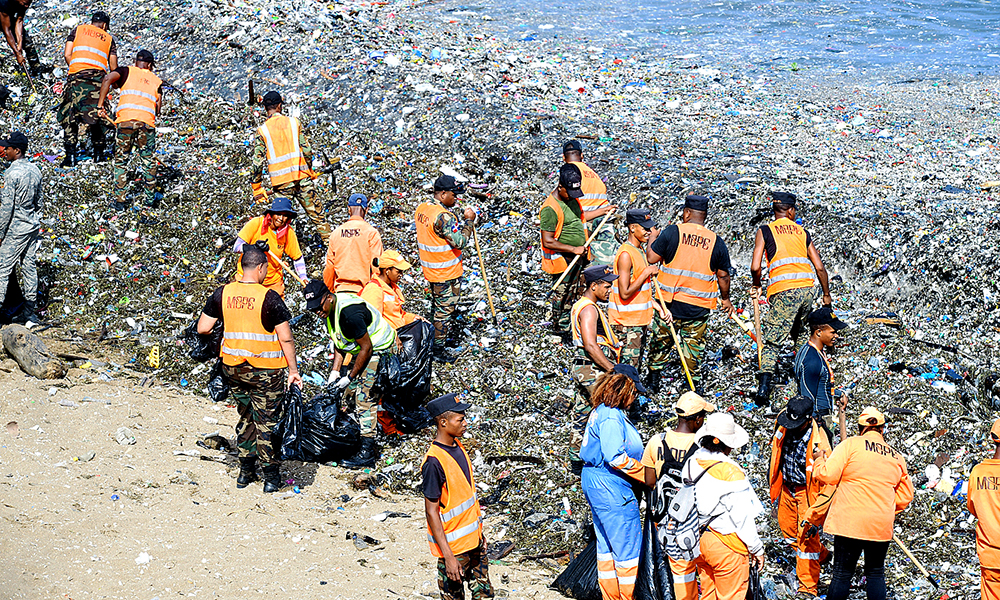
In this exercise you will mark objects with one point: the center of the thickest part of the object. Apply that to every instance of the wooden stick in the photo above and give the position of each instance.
(673, 334)
(577, 257)
(756, 326)
(486, 280)
(743, 326)
(30, 81)
(909, 554)
(286, 267)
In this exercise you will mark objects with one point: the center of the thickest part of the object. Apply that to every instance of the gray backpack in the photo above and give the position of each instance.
(680, 535)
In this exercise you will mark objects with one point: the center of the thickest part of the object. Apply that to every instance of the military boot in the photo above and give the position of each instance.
(763, 395)
(652, 382)
(248, 471)
(366, 456)
(272, 478)
(26, 314)
(70, 159)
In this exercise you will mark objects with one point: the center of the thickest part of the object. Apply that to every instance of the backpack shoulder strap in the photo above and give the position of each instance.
(702, 474)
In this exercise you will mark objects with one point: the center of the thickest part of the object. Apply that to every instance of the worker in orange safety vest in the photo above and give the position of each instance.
(383, 291)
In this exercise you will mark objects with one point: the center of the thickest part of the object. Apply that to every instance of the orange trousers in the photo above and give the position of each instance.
(685, 574)
(989, 584)
(791, 511)
(724, 573)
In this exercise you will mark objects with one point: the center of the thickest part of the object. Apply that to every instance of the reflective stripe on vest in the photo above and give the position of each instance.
(244, 338)
(285, 161)
(639, 309)
(689, 278)
(595, 192)
(382, 335)
(139, 96)
(609, 340)
(790, 266)
(438, 259)
(461, 517)
(91, 47)
(553, 262)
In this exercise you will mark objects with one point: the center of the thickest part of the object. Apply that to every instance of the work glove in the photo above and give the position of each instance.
(260, 195)
(262, 246)
(342, 383)
(809, 530)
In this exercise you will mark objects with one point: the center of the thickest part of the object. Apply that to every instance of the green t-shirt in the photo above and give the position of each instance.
(573, 233)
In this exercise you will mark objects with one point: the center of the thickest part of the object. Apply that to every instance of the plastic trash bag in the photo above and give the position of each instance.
(289, 429)
(327, 434)
(12, 301)
(654, 580)
(404, 379)
(218, 383)
(755, 591)
(579, 579)
(203, 348)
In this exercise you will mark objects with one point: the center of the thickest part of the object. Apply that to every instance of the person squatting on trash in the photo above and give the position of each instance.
(791, 257)
(275, 228)
(693, 277)
(454, 518)
(12, 23)
(630, 305)
(383, 292)
(353, 247)
(801, 498)
(984, 504)
(665, 456)
(563, 237)
(90, 53)
(610, 451)
(138, 107)
(257, 347)
(356, 328)
(595, 205)
(281, 146)
(872, 487)
(20, 220)
(727, 507)
(440, 240)
(813, 372)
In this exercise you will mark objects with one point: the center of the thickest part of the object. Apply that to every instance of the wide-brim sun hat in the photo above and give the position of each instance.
(723, 427)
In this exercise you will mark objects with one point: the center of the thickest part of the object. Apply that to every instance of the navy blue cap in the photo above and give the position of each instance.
(826, 316)
(572, 146)
(271, 98)
(447, 183)
(599, 273)
(358, 200)
(280, 204)
(16, 140)
(783, 198)
(571, 178)
(696, 203)
(145, 56)
(631, 372)
(443, 404)
(639, 216)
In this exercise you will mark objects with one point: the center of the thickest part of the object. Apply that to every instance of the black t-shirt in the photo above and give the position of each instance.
(354, 321)
(770, 247)
(273, 313)
(123, 72)
(433, 472)
(666, 245)
(12, 8)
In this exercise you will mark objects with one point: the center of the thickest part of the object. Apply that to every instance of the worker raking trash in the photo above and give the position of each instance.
(91, 52)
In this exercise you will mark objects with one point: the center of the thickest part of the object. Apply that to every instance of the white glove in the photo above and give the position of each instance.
(342, 383)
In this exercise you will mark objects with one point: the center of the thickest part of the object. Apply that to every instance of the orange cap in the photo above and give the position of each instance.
(995, 431)
(871, 417)
(392, 258)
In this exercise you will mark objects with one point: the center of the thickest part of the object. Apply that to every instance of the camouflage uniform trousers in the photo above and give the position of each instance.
(633, 339)
(605, 246)
(564, 295)
(304, 191)
(365, 405)
(258, 394)
(140, 136)
(475, 571)
(785, 317)
(692, 337)
(444, 308)
(79, 106)
(20, 249)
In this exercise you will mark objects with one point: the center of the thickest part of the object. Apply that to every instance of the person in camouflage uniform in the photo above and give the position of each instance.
(304, 189)
(595, 206)
(564, 245)
(81, 100)
(20, 219)
(12, 14)
(475, 571)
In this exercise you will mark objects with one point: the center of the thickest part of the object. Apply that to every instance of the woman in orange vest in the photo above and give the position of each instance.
(383, 291)
(138, 107)
(454, 519)
(275, 228)
(873, 486)
(630, 305)
(90, 53)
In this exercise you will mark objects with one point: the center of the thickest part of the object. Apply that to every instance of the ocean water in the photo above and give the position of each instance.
(918, 37)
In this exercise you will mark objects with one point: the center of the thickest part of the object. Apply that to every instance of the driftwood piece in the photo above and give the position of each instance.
(30, 353)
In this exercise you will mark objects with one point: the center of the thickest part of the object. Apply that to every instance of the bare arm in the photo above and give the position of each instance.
(68, 52)
(106, 84)
(588, 331)
(8, 33)
(821, 274)
(113, 61)
(724, 281)
(652, 257)
(364, 355)
(627, 288)
(650, 476)
(284, 331)
(550, 242)
(205, 324)
(338, 361)
(600, 212)
(758, 256)
(432, 509)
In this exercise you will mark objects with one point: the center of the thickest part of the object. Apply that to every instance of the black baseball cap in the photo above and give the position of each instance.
(101, 17)
(271, 98)
(145, 56)
(314, 293)
(447, 183)
(599, 273)
(639, 216)
(630, 372)
(571, 179)
(696, 203)
(572, 146)
(783, 198)
(442, 404)
(798, 411)
(826, 316)
(16, 140)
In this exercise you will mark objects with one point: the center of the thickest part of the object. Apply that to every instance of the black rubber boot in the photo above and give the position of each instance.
(70, 159)
(365, 457)
(248, 471)
(272, 478)
(652, 382)
(26, 314)
(763, 395)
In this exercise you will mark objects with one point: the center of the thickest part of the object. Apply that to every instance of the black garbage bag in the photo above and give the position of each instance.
(218, 383)
(288, 433)
(404, 379)
(327, 434)
(203, 347)
(579, 579)
(654, 580)
(13, 301)
(755, 591)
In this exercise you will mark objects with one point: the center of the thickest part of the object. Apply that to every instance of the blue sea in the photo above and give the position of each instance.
(921, 38)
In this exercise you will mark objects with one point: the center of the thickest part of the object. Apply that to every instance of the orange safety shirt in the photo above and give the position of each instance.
(460, 513)
(91, 49)
(139, 98)
(287, 244)
(637, 310)
(244, 338)
(285, 161)
(790, 266)
(984, 504)
(439, 260)
(872, 487)
(605, 335)
(688, 277)
(388, 299)
(817, 493)
(354, 246)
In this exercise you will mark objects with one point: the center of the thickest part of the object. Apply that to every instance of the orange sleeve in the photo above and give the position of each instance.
(409, 318)
(329, 272)
(830, 470)
(249, 232)
(373, 294)
(376, 244)
(292, 249)
(904, 489)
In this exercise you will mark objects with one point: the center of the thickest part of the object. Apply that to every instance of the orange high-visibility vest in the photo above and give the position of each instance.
(139, 97)
(790, 266)
(460, 513)
(91, 47)
(638, 310)
(244, 338)
(552, 261)
(439, 260)
(815, 489)
(285, 161)
(689, 277)
(608, 340)
(595, 193)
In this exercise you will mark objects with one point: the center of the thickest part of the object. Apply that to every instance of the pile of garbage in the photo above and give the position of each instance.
(895, 182)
